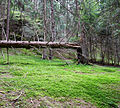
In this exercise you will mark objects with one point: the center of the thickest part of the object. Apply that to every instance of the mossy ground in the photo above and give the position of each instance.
(39, 80)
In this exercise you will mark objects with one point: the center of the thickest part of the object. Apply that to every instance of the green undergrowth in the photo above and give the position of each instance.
(95, 84)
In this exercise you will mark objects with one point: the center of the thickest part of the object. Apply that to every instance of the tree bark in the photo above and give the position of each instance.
(81, 59)
(52, 37)
(3, 16)
(77, 18)
(84, 42)
(8, 20)
(31, 44)
(44, 55)
(7, 31)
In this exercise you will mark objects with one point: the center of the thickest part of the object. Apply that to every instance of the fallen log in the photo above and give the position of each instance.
(31, 44)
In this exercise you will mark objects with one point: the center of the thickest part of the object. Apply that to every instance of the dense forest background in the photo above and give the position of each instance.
(94, 24)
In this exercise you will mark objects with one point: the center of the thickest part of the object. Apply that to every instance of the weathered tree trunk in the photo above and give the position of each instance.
(84, 42)
(7, 31)
(3, 24)
(31, 44)
(81, 59)
(52, 38)
(8, 19)
(77, 18)
(79, 55)
(44, 56)
(102, 54)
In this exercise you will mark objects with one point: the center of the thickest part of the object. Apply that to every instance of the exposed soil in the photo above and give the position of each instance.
(89, 73)
(52, 103)
(9, 99)
(86, 73)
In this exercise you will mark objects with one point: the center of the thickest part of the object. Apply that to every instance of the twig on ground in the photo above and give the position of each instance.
(14, 100)
(25, 75)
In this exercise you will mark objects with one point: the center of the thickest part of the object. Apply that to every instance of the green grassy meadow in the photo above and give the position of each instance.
(28, 81)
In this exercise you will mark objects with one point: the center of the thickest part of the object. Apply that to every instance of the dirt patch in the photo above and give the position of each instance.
(76, 71)
(81, 72)
(84, 73)
(43, 102)
(52, 103)
(11, 99)
(6, 76)
(89, 73)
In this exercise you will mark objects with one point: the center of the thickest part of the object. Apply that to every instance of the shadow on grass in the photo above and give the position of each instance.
(46, 64)
(18, 63)
(56, 64)
(108, 70)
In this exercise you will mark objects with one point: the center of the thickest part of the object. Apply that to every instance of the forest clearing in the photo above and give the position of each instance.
(59, 53)
(29, 82)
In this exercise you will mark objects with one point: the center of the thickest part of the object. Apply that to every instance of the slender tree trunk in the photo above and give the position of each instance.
(8, 20)
(102, 52)
(3, 24)
(7, 31)
(44, 56)
(77, 17)
(94, 51)
(90, 47)
(79, 55)
(52, 37)
(84, 42)
(52, 22)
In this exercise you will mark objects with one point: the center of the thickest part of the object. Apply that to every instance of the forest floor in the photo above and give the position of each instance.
(29, 82)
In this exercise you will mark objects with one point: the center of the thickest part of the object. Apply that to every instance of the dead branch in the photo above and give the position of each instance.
(14, 100)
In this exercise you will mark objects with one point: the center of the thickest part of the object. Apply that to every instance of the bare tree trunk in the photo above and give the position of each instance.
(52, 38)
(81, 59)
(90, 48)
(84, 42)
(102, 52)
(44, 56)
(3, 23)
(77, 22)
(7, 31)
